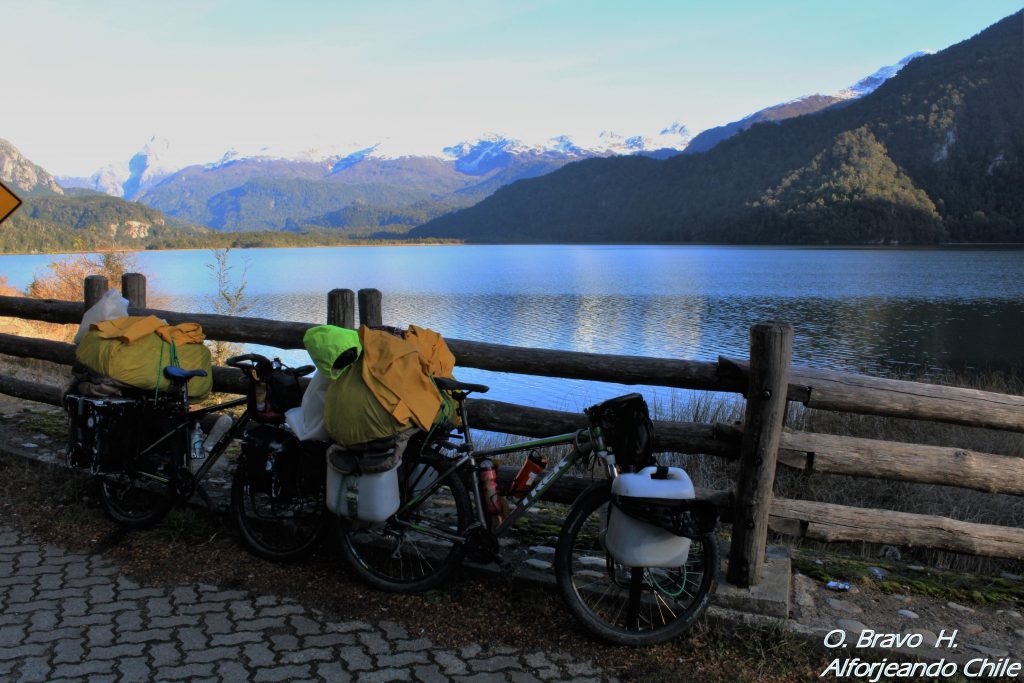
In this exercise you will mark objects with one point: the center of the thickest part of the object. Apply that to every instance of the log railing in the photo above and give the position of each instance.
(767, 380)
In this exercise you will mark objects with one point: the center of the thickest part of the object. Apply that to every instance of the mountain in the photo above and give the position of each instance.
(378, 182)
(935, 153)
(53, 219)
(145, 169)
(798, 107)
(22, 176)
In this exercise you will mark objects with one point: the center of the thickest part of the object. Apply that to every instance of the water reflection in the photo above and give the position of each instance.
(852, 309)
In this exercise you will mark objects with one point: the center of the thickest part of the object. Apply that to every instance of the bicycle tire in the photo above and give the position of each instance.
(133, 500)
(400, 559)
(597, 590)
(277, 528)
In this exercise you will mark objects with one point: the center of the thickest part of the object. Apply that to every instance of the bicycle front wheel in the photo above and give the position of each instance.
(278, 520)
(415, 549)
(140, 494)
(628, 605)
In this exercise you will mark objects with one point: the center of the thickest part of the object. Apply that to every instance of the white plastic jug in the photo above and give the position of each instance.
(366, 497)
(635, 543)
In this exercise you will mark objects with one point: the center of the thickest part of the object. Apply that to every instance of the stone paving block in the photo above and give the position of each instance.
(69, 651)
(284, 642)
(350, 626)
(259, 655)
(20, 651)
(242, 609)
(165, 654)
(452, 665)
(355, 659)
(119, 651)
(286, 672)
(523, 677)
(429, 674)
(129, 621)
(54, 634)
(86, 668)
(192, 639)
(332, 671)
(186, 672)
(184, 595)
(305, 626)
(73, 607)
(159, 606)
(52, 582)
(384, 675)
(403, 659)
(236, 638)
(134, 670)
(498, 663)
(35, 670)
(170, 621)
(100, 635)
(12, 635)
(414, 645)
(232, 671)
(392, 631)
(281, 611)
(213, 654)
(374, 643)
(328, 640)
(256, 624)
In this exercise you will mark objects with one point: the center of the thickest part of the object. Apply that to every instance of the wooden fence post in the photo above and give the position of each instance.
(341, 308)
(370, 307)
(133, 288)
(95, 287)
(771, 347)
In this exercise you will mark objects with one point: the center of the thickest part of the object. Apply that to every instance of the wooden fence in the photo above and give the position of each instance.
(766, 379)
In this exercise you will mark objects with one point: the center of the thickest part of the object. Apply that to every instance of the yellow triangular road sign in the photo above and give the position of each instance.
(8, 202)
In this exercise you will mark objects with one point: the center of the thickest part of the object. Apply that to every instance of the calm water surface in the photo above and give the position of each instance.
(852, 309)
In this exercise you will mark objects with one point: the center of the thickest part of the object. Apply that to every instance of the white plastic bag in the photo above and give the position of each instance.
(111, 306)
(307, 421)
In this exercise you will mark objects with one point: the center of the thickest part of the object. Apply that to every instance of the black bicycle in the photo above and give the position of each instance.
(150, 451)
(450, 507)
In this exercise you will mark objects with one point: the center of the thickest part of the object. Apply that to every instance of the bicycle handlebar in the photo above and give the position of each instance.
(254, 358)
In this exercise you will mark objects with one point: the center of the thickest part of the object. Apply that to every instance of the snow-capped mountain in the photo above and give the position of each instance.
(130, 179)
(868, 84)
(807, 104)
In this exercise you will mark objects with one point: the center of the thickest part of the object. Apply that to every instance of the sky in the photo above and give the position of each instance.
(87, 84)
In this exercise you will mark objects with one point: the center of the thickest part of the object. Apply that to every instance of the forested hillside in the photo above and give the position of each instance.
(934, 154)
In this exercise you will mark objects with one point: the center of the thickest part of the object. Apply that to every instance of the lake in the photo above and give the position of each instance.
(854, 309)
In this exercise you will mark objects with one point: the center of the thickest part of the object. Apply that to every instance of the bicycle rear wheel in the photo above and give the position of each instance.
(408, 553)
(628, 605)
(276, 523)
(140, 494)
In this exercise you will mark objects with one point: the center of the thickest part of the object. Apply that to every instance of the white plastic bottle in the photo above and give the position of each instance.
(222, 425)
(197, 443)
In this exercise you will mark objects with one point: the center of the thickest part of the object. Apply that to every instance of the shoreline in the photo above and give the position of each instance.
(1002, 246)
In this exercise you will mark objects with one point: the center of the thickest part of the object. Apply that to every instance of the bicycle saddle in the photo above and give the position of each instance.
(455, 385)
(181, 375)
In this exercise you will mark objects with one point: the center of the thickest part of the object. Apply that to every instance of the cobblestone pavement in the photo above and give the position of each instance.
(67, 616)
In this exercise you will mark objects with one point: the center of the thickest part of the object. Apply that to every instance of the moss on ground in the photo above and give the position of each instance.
(958, 587)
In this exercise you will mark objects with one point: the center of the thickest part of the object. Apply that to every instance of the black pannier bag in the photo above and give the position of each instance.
(625, 423)
(103, 431)
(278, 463)
(273, 392)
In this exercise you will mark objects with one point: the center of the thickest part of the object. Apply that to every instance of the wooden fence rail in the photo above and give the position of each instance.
(768, 380)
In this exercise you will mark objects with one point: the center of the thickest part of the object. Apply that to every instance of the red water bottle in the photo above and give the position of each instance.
(528, 474)
(493, 504)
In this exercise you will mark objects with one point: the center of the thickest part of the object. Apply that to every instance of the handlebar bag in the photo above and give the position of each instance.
(626, 426)
(272, 395)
